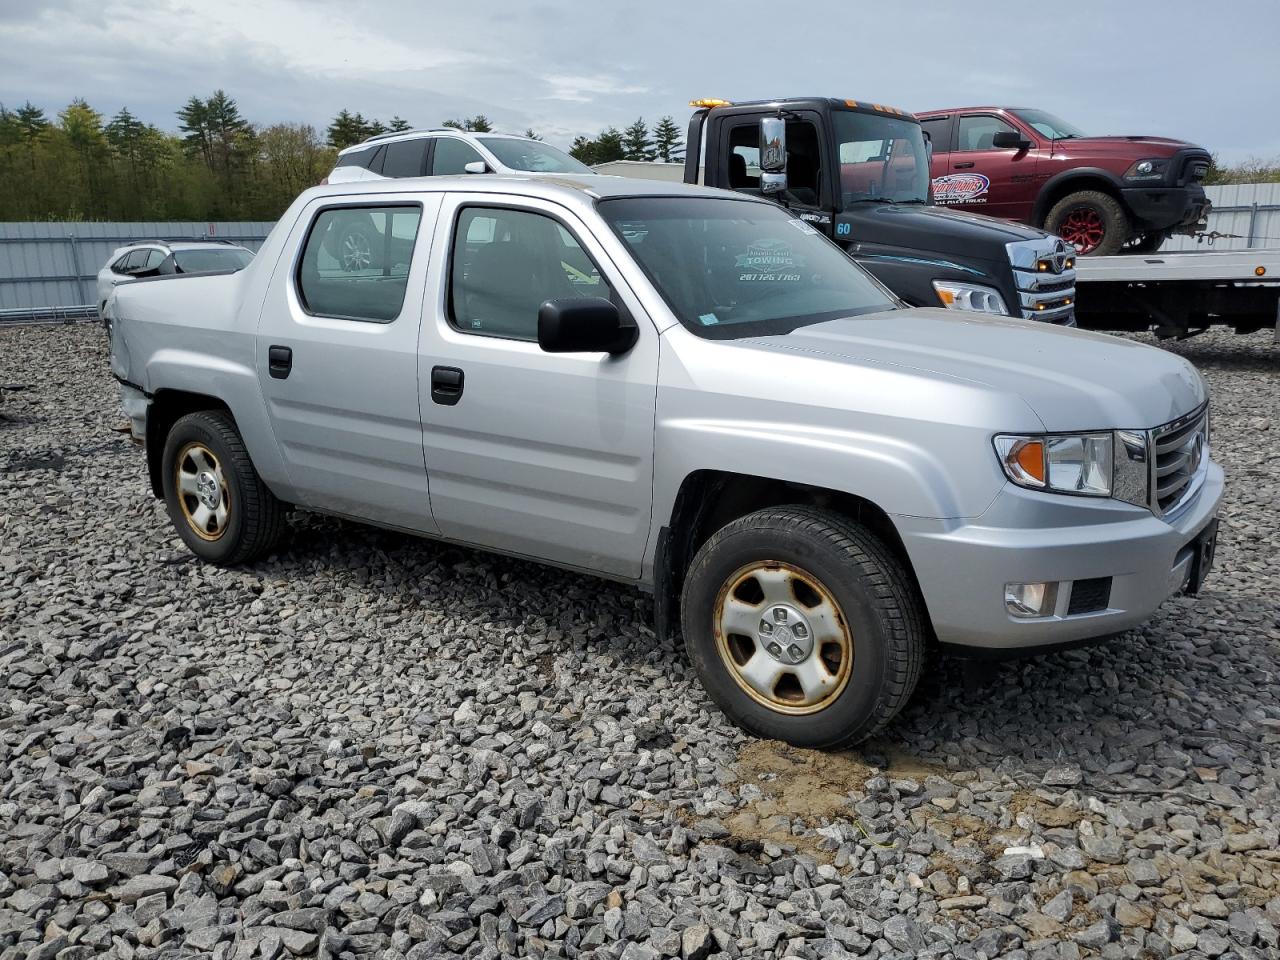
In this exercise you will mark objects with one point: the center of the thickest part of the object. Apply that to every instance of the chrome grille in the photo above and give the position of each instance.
(1180, 457)
(1043, 295)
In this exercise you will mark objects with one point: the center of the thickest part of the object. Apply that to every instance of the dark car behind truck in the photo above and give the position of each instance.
(859, 172)
(1101, 194)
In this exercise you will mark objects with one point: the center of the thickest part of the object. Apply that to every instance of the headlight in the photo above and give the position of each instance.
(1152, 169)
(970, 296)
(1079, 463)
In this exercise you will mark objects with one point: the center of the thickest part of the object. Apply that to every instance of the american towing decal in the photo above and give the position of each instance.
(960, 188)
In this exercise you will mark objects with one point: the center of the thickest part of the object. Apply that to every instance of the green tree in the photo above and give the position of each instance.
(193, 120)
(531, 135)
(477, 124)
(399, 125)
(345, 130)
(667, 145)
(636, 144)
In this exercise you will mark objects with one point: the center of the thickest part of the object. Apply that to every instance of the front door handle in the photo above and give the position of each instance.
(279, 361)
(446, 385)
(962, 166)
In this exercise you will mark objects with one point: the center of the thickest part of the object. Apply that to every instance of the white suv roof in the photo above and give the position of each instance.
(444, 151)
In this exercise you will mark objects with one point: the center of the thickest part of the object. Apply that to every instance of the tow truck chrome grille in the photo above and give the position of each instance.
(1179, 460)
(1048, 294)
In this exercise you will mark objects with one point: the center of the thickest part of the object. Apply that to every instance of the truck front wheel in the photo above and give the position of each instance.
(219, 505)
(1090, 220)
(803, 627)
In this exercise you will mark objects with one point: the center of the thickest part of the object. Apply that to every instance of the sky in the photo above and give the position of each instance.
(1203, 72)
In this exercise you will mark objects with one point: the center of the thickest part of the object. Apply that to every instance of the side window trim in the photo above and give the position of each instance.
(295, 275)
(485, 204)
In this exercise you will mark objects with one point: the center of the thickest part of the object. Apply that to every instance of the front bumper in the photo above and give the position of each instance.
(1166, 208)
(1023, 537)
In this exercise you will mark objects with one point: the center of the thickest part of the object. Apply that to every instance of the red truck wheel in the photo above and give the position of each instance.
(1091, 221)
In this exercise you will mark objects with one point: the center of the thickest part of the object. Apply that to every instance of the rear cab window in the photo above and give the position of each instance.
(355, 261)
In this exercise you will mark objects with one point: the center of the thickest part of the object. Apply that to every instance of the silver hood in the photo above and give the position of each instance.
(1072, 379)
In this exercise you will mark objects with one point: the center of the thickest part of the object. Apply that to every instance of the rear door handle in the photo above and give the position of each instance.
(279, 361)
(446, 385)
(962, 166)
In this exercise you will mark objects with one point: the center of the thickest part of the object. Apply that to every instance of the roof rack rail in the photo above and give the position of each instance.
(399, 133)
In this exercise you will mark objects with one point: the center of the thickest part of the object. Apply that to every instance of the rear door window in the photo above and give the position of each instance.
(452, 156)
(405, 158)
(355, 262)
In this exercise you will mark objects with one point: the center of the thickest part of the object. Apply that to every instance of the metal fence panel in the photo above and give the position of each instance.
(55, 265)
(1249, 213)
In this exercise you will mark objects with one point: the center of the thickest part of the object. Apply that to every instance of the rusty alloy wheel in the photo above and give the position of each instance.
(783, 637)
(202, 491)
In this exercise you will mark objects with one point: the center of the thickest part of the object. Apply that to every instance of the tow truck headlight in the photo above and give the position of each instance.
(1078, 463)
(970, 296)
(1152, 169)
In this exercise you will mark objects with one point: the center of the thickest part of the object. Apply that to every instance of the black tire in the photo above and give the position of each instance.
(1146, 243)
(255, 519)
(1117, 229)
(875, 597)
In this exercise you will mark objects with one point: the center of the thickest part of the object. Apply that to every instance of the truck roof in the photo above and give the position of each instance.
(988, 109)
(814, 103)
(547, 186)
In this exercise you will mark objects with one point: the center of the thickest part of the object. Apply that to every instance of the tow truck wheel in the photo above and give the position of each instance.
(803, 627)
(1093, 222)
(219, 505)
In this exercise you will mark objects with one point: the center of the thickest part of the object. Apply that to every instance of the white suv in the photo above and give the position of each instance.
(443, 151)
(154, 258)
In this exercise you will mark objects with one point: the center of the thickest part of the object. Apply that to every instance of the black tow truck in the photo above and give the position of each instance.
(859, 172)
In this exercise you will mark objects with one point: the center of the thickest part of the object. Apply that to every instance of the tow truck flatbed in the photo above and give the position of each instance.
(1180, 294)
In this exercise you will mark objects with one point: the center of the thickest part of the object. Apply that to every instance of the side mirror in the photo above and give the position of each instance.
(585, 325)
(476, 166)
(773, 155)
(1009, 140)
(928, 145)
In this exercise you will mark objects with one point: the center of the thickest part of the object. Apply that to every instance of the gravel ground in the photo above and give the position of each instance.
(370, 745)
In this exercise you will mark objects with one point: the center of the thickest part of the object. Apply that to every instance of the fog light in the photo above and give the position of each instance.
(1030, 599)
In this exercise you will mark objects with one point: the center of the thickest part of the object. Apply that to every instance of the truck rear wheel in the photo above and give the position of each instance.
(803, 627)
(1091, 221)
(219, 505)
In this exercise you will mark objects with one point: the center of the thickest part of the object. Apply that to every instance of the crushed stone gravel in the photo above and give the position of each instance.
(369, 745)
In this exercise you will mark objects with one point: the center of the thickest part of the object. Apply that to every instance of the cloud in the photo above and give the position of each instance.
(587, 89)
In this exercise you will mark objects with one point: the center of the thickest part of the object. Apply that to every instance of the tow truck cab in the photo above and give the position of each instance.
(860, 173)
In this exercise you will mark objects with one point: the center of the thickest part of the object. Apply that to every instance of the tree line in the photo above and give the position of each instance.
(636, 142)
(82, 165)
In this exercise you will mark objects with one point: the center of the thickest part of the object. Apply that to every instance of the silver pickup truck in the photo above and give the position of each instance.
(687, 390)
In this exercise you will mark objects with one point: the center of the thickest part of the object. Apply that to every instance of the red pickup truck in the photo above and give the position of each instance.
(1102, 194)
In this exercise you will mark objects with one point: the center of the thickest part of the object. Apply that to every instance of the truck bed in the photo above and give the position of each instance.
(1222, 265)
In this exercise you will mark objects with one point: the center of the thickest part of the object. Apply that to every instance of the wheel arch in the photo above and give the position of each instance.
(1071, 181)
(166, 408)
(709, 499)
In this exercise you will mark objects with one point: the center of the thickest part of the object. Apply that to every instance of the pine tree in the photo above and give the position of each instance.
(610, 146)
(583, 149)
(31, 122)
(371, 127)
(667, 145)
(477, 124)
(399, 125)
(635, 142)
(531, 135)
(346, 129)
(194, 122)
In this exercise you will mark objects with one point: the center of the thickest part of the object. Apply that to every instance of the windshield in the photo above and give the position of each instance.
(738, 268)
(206, 261)
(532, 156)
(881, 158)
(1047, 125)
